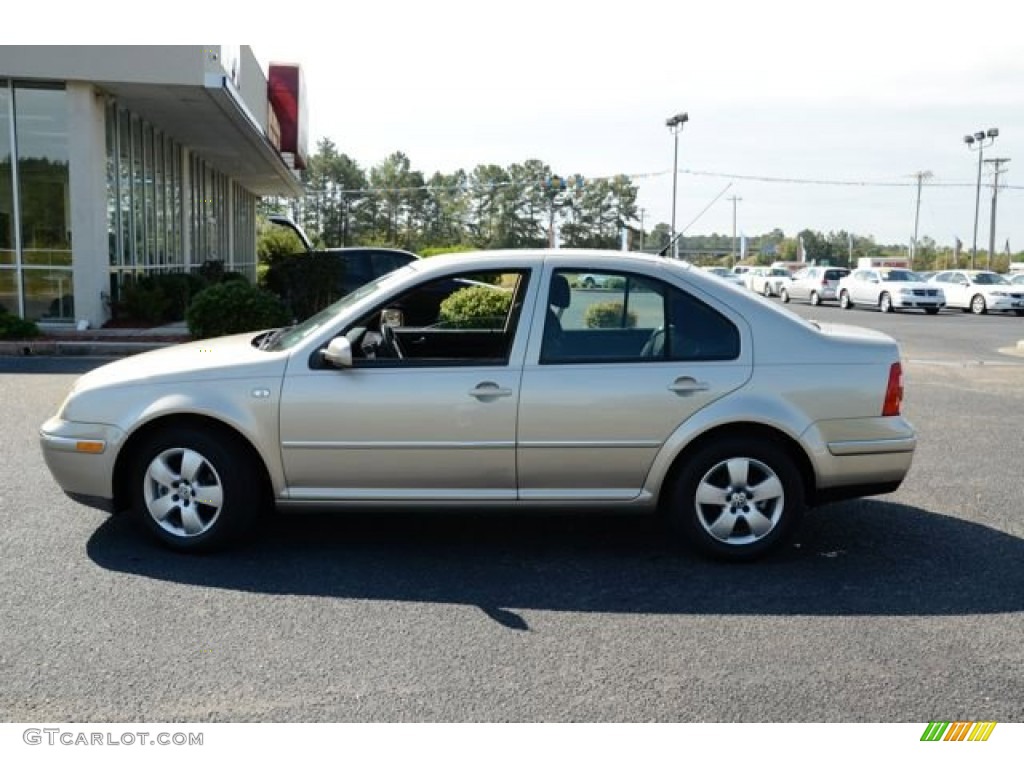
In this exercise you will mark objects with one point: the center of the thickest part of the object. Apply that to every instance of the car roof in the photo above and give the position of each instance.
(595, 257)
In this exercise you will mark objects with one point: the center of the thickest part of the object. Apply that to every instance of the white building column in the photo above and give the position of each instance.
(87, 174)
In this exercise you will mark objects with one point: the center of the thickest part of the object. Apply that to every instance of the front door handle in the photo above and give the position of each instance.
(487, 390)
(686, 385)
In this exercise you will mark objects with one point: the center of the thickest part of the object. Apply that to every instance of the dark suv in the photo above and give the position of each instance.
(362, 264)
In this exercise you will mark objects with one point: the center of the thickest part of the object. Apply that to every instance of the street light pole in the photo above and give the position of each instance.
(921, 176)
(675, 125)
(996, 164)
(970, 140)
(732, 255)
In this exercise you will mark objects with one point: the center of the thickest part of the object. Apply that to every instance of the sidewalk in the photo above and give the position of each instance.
(97, 342)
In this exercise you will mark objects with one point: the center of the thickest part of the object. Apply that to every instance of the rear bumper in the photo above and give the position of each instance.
(860, 457)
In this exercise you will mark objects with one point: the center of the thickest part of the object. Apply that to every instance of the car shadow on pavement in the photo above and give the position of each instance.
(866, 557)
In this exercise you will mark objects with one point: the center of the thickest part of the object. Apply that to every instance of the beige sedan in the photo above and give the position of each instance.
(489, 381)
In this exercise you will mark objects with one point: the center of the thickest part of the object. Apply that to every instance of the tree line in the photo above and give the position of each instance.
(524, 205)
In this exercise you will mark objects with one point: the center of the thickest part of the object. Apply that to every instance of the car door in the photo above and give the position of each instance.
(798, 288)
(611, 376)
(864, 287)
(433, 418)
(955, 285)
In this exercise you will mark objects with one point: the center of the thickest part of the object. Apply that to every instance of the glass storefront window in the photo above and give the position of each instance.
(7, 242)
(41, 126)
(9, 290)
(49, 295)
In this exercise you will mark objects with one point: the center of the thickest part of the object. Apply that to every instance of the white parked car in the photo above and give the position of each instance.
(980, 291)
(726, 274)
(768, 281)
(889, 290)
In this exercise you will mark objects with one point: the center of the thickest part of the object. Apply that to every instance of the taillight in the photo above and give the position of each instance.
(893, 391)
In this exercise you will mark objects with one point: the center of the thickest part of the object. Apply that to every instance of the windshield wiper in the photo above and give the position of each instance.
(271, 337)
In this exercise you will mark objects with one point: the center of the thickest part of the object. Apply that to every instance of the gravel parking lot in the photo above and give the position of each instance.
(899, 608)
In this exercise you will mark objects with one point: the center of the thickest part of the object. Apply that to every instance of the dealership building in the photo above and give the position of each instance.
(118, 162)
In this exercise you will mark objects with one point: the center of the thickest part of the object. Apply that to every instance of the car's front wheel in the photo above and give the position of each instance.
(885, 302)
(737, 499)
(844, 300)
(195, 490)
(784, 295)
(978, 306)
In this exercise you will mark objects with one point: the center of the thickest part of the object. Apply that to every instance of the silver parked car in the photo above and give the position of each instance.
(815, 284)
(486, 381)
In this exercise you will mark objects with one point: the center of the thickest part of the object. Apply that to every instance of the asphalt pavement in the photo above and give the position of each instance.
(905, 607)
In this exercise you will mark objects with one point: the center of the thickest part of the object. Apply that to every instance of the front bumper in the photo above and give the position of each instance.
(81, 458)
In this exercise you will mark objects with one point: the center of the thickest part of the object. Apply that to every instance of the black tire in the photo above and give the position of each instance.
(931, 310)
(844, 300)
(885, 302)
(766, 289)
(815, 299)
(740, 527)
(1019, 312)
(219, 497)
(784, 295)
(978, 305)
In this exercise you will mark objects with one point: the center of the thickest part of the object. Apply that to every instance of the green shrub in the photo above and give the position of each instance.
(476, 307)
(157, 299)
(608, 314)
(306, 283)
(233, 307)
(13, 327)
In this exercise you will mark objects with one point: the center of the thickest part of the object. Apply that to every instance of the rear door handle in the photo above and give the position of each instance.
(686, 385)
(487, 390)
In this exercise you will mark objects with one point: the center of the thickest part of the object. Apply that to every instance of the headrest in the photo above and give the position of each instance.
(559, 292)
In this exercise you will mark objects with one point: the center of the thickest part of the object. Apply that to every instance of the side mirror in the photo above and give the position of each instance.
(392, 317)
(338, 353)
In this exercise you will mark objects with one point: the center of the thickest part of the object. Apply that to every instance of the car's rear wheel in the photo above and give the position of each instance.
(737, 499)
(195, 490)
(784, 295)
(978, 306)
(885, 302)
(844, 300)
(815, 299)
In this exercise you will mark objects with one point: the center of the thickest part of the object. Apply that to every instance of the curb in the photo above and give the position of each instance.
(79, 348)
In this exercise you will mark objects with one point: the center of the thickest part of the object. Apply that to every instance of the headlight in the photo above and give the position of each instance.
(906, 291)
(1004, 294)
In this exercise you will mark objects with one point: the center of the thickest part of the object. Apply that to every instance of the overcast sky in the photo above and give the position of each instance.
(866, 92)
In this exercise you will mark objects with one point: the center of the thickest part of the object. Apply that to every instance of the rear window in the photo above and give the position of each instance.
(836, 274)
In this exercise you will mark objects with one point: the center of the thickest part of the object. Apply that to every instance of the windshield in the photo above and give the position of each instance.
(292, 336)
(990, 278)
(899, 276)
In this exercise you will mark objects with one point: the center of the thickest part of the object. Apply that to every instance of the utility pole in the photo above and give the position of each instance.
(733, 255)
(643, 211)
(921, 176)
(996, 165)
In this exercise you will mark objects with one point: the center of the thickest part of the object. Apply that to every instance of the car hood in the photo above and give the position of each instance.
(227, 357)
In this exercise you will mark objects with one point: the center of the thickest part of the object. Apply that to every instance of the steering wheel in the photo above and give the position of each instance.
(390, 340)
(655, 346)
